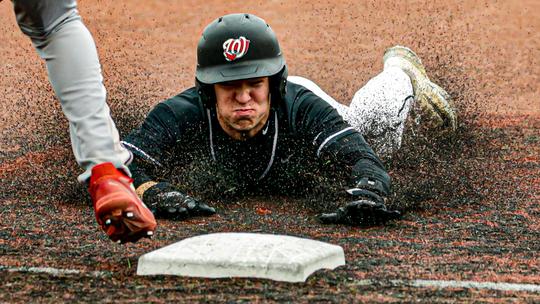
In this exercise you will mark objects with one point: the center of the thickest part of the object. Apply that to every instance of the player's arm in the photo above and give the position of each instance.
(153, 146)
(340, 147)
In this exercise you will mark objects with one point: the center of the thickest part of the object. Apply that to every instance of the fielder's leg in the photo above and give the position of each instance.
(68, 49)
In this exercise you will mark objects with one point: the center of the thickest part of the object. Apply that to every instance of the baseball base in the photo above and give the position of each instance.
(251, 255)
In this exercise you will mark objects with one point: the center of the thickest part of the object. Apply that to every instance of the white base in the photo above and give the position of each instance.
(220, 255)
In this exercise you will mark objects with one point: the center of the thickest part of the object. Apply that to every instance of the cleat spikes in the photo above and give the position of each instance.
(119, 211)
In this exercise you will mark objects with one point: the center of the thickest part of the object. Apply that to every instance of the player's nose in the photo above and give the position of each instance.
(243, 95)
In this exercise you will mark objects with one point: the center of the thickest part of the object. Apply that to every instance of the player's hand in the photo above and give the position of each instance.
(363, 213)
(368, 209)
(166, 201)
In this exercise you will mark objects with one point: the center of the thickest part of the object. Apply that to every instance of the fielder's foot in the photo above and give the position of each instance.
(434, 102)
(119, 211)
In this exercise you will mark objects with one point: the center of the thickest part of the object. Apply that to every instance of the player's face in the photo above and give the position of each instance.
(243, 106)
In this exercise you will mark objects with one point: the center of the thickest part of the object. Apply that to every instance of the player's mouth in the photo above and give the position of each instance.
(244, 112)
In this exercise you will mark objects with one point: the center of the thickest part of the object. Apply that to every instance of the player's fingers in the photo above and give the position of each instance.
(329, 218)
(389, 215)
(176, 213)
(366, 217)
(362, 213)
(195, 207)
(362, 205)
(203, 209)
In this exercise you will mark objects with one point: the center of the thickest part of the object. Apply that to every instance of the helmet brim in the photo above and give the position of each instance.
(240, 70)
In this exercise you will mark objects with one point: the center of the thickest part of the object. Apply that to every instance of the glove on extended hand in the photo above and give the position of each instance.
(166, 201)
(368, 208)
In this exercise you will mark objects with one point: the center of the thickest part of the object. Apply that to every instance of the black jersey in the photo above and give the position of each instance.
(303, 133)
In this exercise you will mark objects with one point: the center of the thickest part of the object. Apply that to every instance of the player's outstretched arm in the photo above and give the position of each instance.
(163, 198)
(366, 209)
(340, 145)
(153, 147)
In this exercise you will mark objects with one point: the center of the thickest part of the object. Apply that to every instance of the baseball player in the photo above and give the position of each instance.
(246, 118)
(66, 45)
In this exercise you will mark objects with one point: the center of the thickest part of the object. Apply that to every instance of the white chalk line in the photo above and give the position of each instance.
(442, 284)
(55, 271)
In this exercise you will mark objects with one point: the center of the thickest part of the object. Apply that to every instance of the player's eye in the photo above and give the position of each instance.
(256, 83)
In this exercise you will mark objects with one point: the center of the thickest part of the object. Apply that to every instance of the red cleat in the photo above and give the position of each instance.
(119, 211)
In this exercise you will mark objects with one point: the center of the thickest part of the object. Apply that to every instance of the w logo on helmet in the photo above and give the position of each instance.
(235, 48)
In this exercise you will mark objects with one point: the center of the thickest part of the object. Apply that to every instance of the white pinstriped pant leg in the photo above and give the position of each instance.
(378, 110)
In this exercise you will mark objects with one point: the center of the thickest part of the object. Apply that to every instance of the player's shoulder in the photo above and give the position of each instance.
(303, 94)
(295, 90)
(186, 103)
(301, 89)
(186, 99)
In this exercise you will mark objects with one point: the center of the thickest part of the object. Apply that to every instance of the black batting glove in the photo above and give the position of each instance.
(363, 213)
(166, 201)
(366, 210)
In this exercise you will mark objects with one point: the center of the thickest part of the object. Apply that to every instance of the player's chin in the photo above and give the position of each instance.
(243, 125)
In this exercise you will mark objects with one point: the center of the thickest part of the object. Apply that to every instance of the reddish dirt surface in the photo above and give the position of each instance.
(471, 203)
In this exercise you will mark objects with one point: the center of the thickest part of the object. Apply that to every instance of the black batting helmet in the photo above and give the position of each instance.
(239, 46)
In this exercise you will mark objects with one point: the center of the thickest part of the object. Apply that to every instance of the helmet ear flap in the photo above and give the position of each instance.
(283, 81)
(278, 83)
(206, 93)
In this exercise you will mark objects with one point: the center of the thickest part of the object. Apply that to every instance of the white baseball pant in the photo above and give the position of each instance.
(378, 110)
(66, 45)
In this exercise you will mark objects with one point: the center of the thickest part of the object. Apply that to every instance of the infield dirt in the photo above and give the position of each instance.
(471, 202)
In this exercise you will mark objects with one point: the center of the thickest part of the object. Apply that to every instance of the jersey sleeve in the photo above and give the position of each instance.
(150, 144)
(335, 142)
(154, 143)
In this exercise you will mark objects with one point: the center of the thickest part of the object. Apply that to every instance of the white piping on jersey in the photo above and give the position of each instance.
(315, 139)
(144, 154)
(329, 138)
(274, 143)
(211, 140)
(130, 159)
